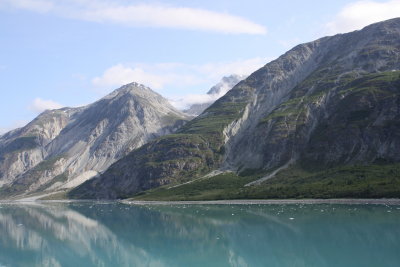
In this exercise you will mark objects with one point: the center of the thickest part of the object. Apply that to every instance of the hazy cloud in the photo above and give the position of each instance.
(188, 100)
(147, 74)
(141, 15)
(40, 105)
(178, 75)
(362, 13)
(14, 125)
(289, 43)
(240, 67)
(41, 6)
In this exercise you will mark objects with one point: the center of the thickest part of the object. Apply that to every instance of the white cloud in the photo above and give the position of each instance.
(362, 13)
(240, 67)
(41, 6)
(188, 100)
(40, 105)
(172, 74)
(121, 74)
(174, 17)
(142, 15)
(178, 77)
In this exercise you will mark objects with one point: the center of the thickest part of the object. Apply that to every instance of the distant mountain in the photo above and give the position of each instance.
(325, 114)
(62, 148)
(217, 91)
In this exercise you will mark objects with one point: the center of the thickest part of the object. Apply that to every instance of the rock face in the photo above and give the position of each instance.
(217, 91)
(63, 148)
(325, 103)
(24, 148)
(331, 101)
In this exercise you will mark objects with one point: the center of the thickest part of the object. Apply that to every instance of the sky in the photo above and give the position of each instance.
(56, 53)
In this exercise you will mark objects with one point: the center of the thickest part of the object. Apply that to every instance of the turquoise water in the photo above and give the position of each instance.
(113, 234)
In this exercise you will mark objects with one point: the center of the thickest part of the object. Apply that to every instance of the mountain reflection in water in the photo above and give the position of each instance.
(114, 234)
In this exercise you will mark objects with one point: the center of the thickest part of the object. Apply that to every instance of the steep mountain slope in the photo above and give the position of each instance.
(217, 91)
(331, 102)
(62, 148)
(347, 74)
(24, 148)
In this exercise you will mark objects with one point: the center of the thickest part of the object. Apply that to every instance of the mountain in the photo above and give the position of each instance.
(217, 91)
(324, 110)
(62, 148)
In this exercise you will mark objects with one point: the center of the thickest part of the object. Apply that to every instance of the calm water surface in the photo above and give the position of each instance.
(113, 234)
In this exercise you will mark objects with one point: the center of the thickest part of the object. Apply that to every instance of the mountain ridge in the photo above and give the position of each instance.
(269, 120)
(69, 144)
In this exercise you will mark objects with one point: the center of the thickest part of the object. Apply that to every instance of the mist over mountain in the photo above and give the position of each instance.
(217, 91)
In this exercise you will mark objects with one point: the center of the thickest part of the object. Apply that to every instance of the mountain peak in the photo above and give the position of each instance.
(226, 83)
(77, 143)
(133, 88)
(324, 104)
(233, 77)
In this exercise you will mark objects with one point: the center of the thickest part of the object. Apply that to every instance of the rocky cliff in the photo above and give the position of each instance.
(62, 148)
(331, 102)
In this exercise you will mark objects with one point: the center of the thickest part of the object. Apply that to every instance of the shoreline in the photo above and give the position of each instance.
(379, 201)
(344, 201)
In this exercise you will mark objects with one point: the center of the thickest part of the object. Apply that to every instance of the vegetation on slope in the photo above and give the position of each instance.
(21, 185)
(342, 113)
(369, 181)
(20, 144)
(197, 148)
